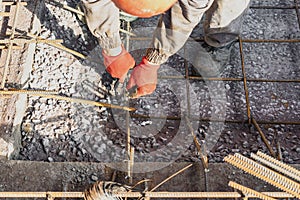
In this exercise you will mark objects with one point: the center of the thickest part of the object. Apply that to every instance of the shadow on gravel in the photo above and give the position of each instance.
(82, 43)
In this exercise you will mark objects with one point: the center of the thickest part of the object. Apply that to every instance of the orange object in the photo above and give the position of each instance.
(144, 8)
(144, 76)
(119, 65)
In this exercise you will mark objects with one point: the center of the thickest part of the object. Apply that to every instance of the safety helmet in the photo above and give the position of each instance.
(144, 8)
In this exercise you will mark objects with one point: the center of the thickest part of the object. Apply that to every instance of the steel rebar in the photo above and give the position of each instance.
(24, 41)
(170, 177)
(274, 166)
(297, 11)
(199, 147)
(247, 191)
(280, 164)
(84, 101)
(262, 135)
(232, 79)
(214, 119)
(29, 92)
(245, 80)
(130, 150)
(138, 194)
(59, 46)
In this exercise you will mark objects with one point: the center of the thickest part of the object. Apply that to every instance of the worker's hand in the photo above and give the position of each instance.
(119, 65)
(144, 77)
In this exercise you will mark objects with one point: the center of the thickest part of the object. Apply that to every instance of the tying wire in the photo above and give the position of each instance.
(245, 80)
(170, 177)
(29, 40)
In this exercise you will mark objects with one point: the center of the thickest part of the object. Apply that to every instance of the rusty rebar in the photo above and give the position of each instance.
(84, 101)
(130, 150)
(271, 40)
(244, 40)
(272, 7)
(130, 165)
(247, 191)
(128, 147)
(199, 147)
(59, 46)
(297, 11)
(29, 92)
(245, 80)
(29, 40)
(262, 135)
(213, 119)
(170, 177)
(187, 85)
(232, 79)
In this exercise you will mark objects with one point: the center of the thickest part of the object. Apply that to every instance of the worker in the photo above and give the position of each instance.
(222, 25)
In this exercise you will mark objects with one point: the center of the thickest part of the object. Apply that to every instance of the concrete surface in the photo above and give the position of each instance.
(75, 176)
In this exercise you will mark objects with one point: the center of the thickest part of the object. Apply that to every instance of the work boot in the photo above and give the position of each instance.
(211, 61)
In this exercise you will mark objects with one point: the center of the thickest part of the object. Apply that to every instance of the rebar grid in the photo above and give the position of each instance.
(244, 79)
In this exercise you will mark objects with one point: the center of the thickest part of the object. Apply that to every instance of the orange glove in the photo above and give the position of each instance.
(119, 65)
(144, 76)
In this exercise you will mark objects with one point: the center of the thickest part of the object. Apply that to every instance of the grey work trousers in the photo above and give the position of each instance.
(222, 24)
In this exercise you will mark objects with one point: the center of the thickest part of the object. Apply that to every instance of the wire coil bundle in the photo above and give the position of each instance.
(104, 190)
